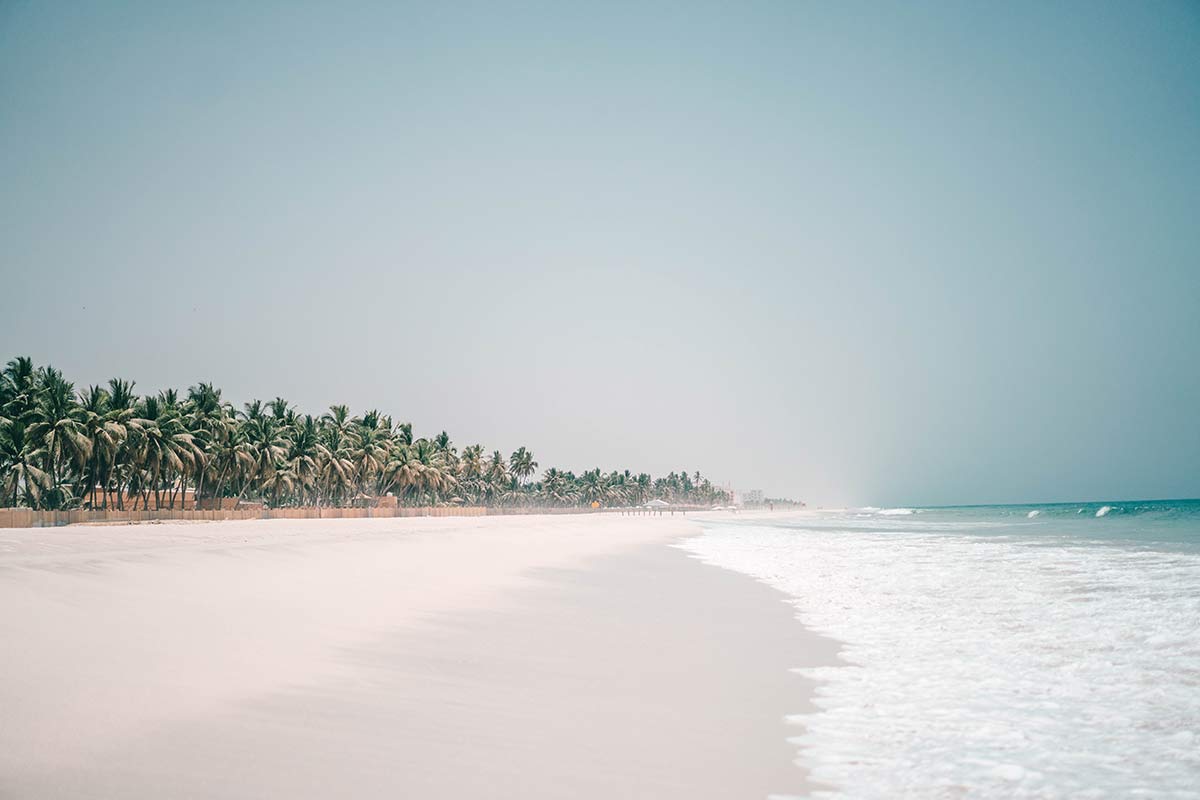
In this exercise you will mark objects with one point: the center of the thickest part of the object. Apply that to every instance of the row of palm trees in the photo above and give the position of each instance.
(107, 447)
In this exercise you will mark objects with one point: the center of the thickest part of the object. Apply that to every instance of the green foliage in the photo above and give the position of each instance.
(106, 447)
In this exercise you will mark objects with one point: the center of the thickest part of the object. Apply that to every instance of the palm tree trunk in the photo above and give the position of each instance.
(220, 494)
(92, 477)
(53, 473)
(120, 494)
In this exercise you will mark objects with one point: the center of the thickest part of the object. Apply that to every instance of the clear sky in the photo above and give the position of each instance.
(851, 252)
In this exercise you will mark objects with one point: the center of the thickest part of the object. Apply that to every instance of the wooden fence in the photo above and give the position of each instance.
(28, 518)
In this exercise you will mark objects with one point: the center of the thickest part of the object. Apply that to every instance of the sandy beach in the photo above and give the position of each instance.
(571, 656)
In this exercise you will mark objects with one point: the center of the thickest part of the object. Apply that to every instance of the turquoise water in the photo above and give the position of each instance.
(1039, 651)
(1171, 524)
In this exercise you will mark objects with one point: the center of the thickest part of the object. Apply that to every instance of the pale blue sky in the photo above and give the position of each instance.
(876, 253)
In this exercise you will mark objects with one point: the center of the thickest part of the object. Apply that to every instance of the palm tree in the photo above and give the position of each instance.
(339, 420)
(18, 389)
(207, 420)
(470, 473)
(442, 442)
(557, 488)
(18, 465)
(282, 481)
(121, 411)
(105, 432)
(58, 449)
(305, 453)
(521, 464)
(434, 479)
(371, 454)
(641, 488)
(592, 486)
(58, 433)
(496, 475)
(267, 447)
(281, 410)
(403, 470)
(164, 448)
(232, 457)
(335, 472)
(404, 433)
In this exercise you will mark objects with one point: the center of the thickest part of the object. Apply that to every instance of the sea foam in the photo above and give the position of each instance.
(999, 665)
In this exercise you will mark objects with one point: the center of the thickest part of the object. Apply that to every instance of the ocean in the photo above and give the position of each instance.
(1037, 651)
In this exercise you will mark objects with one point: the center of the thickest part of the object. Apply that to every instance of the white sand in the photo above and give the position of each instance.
(571, 656)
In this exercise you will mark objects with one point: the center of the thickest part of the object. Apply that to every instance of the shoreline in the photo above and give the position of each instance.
(573, 655)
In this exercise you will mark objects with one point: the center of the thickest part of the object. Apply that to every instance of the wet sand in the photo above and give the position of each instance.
(534, 657)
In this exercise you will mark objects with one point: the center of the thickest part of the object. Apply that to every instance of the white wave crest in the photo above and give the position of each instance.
(1033, 513)
(1103, 510)
(896, 512)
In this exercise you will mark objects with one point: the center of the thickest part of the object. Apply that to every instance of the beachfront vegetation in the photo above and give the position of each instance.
(107, 447)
